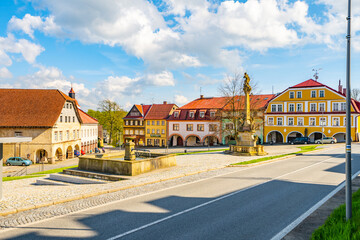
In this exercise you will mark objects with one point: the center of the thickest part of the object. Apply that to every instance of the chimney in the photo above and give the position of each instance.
(344, 91)
(164, 102)
(340, 87)
(201, 96)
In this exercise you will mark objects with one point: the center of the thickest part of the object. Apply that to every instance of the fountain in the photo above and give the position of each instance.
(246, 139)
(129, 149)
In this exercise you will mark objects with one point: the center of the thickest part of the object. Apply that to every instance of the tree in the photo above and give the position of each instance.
(234, 109)
(355, 94)
(110, 116)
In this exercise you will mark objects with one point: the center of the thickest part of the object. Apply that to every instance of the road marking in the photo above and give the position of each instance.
(210, 202)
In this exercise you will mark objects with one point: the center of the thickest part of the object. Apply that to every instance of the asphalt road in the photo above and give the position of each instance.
(251, 203)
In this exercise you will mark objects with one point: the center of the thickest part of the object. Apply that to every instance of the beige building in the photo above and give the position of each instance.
(50, 117)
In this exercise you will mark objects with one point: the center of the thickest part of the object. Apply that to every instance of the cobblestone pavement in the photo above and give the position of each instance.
(23, 193)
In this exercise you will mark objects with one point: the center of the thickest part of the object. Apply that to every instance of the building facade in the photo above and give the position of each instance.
(310, 109)
(156, 126)
(134, 123)
(89, 132)
(50, 117)
(197, 123)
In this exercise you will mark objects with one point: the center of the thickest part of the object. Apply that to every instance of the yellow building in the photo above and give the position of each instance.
(309, 109)
(156, 127)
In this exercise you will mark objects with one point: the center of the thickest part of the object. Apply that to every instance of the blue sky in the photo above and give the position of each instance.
(143, 51)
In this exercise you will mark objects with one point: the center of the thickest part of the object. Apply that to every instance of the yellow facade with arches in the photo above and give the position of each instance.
(309, 109)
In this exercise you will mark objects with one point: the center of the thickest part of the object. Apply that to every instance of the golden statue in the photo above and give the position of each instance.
(247, 87)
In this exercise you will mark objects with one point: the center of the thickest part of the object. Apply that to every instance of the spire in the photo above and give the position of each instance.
(72, 92)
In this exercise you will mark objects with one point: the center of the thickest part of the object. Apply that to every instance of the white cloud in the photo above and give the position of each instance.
(181, 100)
(10, 44)
(5, 73)
(164, 78)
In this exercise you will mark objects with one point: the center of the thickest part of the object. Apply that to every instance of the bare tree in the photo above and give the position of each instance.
(355, 94)
(234, 109)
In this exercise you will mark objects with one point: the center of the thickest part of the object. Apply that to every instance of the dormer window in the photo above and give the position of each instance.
(191, 114)
(202, 114)
(212, 114)
(176, 114)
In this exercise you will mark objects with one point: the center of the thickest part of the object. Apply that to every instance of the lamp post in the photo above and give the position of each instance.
(348, 193)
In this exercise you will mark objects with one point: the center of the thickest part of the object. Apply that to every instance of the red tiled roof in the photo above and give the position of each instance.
(308, 83)
(159, 111)
(206, 103)
(256, 101)
(86, 118)
(31, 107)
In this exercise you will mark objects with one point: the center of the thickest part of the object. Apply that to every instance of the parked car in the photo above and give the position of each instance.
(76, 153)
(18, 161)
(326, 140)
(304, 140)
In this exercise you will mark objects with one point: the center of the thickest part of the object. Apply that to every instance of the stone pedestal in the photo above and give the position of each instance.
(246, 139)
(246, 145)
(129, 149)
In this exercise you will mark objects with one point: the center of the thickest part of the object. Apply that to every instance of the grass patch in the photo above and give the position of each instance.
(303, 150)
(38, 174)
(5, 179)
(56, 170)
(205, 151)
(337, 228)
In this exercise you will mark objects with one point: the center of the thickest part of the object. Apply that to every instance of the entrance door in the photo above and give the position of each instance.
(179, 142)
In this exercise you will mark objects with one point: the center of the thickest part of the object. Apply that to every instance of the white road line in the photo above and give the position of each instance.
(294, 224)
(210, 202)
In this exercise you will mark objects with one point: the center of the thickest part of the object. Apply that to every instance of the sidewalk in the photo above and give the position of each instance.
(21, 195)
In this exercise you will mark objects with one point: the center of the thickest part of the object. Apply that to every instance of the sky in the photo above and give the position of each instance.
(150, 51)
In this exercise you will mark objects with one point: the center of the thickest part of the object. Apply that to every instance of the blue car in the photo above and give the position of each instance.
(18, 161)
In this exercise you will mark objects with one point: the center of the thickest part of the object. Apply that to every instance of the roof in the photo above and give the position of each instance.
(31, 107)
(159, 111)
(86, 118)
(308, 83)
(71, 90)
(206, 103)
(256, 101)
(143, 109)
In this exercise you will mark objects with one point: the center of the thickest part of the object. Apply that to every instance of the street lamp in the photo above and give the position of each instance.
(348, 193)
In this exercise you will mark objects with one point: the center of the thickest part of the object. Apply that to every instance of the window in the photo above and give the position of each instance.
(152, 131)
(313, 107)
(73, 119)
(292, 95)
(321, 107)
(60, 136)
(291, 107)
(321, 93)
(78, 133)
(335, 107)
(149, 142)
(336, 121)
(18, 134)
(163, 131)
(148, 131)
(212, 127)
(176, 114)
(60, 118)
(291, 121)
(127, 131)
(312, 121)
(140, 123)
(212, 114)
(176, 127)
(163, 123)
(273, 108)
(323, 121)
(298, 94)
(343, 106)
(70, 106)
(189, 127)
(131, 123)
(279, 108)
(158, 123)
(136, 123)
(136, 132)
(279, 121)
(148, 122)
(300, 121)
(126, 123)
(344, 121)
(313, 94)
(67, 135)
(271, 121)
(74, 134)
(153, 123)
(55, 135)
(191, 114)
(200, 127)
(299, 107)
(141, 132)
(131, 132)
(65, 118)
(202, 114)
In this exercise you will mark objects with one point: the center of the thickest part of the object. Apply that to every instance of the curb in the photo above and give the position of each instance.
(89, 195)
